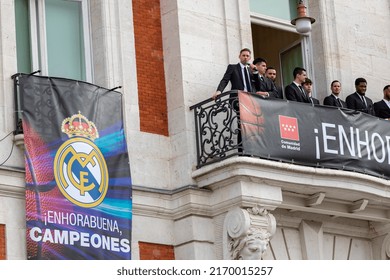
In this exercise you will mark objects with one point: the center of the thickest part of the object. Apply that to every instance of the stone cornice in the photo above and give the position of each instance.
(323, 191)
(291, 177)
(12, 183)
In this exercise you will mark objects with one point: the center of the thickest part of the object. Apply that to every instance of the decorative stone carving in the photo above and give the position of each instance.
(247, 233)
(385, 254)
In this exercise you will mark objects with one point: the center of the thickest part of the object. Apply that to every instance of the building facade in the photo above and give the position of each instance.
(168, 56)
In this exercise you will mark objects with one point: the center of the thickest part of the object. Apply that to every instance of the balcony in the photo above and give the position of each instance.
(293, 156)
(241, 124)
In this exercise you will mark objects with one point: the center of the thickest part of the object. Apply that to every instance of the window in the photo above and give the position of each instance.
(291, 58)
(54, 36)
(279, 9)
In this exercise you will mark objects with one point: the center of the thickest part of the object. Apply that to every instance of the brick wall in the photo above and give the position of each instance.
(2, 242)
(152, 251)
(150, 67)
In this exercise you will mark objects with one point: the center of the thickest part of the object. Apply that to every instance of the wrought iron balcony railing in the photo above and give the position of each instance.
(217, 128)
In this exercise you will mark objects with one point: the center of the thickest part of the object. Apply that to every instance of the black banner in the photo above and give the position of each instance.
(315, 135)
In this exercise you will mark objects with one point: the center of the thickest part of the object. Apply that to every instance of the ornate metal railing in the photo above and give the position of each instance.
(217, 128)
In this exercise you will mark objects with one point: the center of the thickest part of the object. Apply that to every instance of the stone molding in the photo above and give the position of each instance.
(385, 254)
(315, 190)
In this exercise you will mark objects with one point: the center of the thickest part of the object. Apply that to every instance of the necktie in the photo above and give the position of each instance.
(339, 103)
(311, 101)
(303, 92)
(248, 84)
(364, 101)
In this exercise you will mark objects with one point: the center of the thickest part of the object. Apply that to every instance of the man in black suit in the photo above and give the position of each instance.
(270, 73)
(382, 108)
(333, 99)
(358, 100)
(239, 75)
(241, 78)
(264, 86)
(295, 91)
(308, 87)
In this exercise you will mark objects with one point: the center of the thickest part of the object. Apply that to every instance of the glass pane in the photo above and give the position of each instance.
(290, 59)
(65, 44)
(23, 44)
(281, 9)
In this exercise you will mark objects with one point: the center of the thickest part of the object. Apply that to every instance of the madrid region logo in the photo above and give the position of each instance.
(288, 128)
(79, 166)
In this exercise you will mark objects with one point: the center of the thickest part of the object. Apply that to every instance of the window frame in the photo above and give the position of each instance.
(39, 52)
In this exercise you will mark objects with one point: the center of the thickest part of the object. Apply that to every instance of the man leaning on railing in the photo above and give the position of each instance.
(239, 75)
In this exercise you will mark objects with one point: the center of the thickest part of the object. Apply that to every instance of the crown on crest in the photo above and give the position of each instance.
(78, 125)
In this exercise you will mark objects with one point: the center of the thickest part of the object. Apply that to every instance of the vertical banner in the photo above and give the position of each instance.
(78, 183)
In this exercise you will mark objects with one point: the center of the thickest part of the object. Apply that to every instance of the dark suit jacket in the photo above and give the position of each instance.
(315, 101)
(280, 91)
(382, 110)
(331, 100)
(266, 85)
(233, 75)
(293, 93)
(354, 102)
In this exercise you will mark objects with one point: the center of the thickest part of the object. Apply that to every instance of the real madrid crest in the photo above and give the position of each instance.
(79, 166)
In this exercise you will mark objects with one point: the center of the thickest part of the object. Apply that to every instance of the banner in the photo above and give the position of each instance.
(78, 184)
(319, 136)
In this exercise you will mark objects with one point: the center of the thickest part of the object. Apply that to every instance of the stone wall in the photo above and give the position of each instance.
(351, 40)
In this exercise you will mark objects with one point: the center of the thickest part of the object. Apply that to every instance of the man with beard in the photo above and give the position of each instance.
(358, 100)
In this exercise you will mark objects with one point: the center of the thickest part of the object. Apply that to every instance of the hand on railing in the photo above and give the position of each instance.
(263, 94)
(215, 94)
